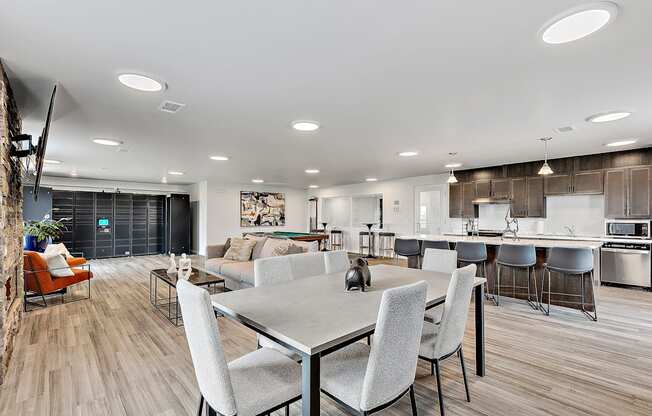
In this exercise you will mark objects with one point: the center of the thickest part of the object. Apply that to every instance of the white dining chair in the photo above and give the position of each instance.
(443, 261)
(336, 261)
(442, 340)
(366, 379)
(259, 382)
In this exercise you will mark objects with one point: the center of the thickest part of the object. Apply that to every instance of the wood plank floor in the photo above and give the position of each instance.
(114, 355)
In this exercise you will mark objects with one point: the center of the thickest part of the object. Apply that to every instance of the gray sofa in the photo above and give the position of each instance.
(237, 274)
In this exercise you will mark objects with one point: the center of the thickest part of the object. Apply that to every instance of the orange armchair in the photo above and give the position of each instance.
(40, 282)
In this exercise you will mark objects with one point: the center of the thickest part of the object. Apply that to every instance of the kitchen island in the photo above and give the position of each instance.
(559, 283)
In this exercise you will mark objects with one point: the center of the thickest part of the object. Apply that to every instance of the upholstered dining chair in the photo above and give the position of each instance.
(257, 383)
(443, 261)
(366, 379)
(442, 340)
(336, 261)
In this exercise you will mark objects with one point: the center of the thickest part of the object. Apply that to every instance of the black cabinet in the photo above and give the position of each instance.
(122, 224)
(139, 230)
(103, 225)
(83, 230)
(178, 223)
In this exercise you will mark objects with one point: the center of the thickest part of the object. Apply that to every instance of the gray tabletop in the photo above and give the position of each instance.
(316, 313)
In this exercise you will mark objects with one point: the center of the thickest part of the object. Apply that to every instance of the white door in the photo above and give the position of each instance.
(428, 215)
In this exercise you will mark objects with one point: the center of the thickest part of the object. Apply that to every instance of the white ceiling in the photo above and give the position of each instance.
(462, 76)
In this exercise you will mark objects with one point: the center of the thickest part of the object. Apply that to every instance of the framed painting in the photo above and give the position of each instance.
(262, 209)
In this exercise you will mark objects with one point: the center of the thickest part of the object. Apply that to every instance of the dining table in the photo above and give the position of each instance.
(314, 316)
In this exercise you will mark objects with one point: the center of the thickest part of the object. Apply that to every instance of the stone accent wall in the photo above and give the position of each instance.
(11, 224)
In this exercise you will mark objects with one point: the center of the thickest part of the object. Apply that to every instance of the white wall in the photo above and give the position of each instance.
(223, 211)
(199, 193)
(401, 220)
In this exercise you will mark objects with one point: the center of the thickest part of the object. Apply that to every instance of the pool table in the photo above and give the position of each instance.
(320, 237)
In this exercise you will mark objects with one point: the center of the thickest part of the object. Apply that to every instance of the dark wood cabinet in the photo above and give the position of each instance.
(588, 182)
(615, 193)
(638, 192)
(500, 188)
(519, 197)
(455, 200)
(536, 200)
(468, 195)
(483, 188)
(558, 184)
(627, 192)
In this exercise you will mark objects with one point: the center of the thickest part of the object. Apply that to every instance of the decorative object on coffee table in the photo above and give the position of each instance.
(173, 265)
(358, 276)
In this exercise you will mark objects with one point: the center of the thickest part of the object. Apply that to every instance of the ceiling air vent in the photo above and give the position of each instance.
(565, 129)
(170, 106)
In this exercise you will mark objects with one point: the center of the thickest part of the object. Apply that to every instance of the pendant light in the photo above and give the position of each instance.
(451, 177)
(545, 169)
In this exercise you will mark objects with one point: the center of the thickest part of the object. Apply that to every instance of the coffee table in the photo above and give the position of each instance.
(169, 306)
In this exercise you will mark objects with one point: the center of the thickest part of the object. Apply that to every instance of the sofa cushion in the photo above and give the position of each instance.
(241, 271)
(275, 247)
(307, 246)
(214, 265)
(240, 249)
(258, 248)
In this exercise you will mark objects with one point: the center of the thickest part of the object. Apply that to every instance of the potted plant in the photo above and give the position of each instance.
(38, 234)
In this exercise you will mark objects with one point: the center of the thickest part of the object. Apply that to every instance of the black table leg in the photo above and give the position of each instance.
(310, 385)
(479, 331)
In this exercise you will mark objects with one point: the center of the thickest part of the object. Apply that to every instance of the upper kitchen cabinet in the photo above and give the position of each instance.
(483, 188)
(588, 182)
(455, 200)
(469, 210)
(558, 184)
(536, 200)
(627, 192)
(519, 197)
(501, 188)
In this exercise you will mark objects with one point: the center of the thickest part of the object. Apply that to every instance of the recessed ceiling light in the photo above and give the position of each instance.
(164, 180)
(621, 143)
(220, 158)
(107, 142)
(175, 173)
(51, 162)
(371, 179)
(312, 171)
(453, 165)
(305, 125)
(140, 82)
(74, 173)
(578, 22)
(409, 153)
(611, 116)
(257, 181)
(313, 186)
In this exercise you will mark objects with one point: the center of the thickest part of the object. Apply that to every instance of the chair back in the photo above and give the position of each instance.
(571, 259)
(272, 270)
(203, 336)
(517, 255)
(407, 248)
(37, 277)
(438, 260)
(394, 353)
(456, 310)
(440, 244)
(307, 264)
(336, 261)
(471, 251)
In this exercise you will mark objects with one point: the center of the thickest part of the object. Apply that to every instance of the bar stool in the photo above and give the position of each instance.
(570, 261)
(370, 244)
(438, 244)
(409, 249)
(386, 243)
(336, 240)
(517, 256)
(473, 252)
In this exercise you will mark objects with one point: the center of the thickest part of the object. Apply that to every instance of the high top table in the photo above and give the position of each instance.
(315, 316)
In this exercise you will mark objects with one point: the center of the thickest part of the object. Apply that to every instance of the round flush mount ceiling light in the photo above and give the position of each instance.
(453, 165)
(312, 171)
(409, 153)
(313, 186)
(52, 162)
(371, 179)
(621, 143)
(257, 180)
(74, 173)
(305, 125)
(607, 117)
(578, 22)
(140, 82)
(220, 158)
(107, 142)
(175, 173)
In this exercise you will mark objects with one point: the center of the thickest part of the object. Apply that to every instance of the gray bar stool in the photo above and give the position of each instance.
(517, 256)
(336, 240)
(473, 252)
(386, 243)
(370, 244)
(570, 261)
(409, 249)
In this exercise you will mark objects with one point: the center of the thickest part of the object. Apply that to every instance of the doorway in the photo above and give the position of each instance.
(428, 207)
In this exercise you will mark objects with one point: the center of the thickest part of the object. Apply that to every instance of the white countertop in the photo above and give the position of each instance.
(535, 240)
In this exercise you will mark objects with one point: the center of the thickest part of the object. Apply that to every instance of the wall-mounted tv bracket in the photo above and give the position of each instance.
(22, 150)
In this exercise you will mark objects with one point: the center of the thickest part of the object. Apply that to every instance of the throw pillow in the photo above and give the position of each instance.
(57, 265)
(308, 246)
(240, 249)
(275, 247)
(294, 249)
(260, 243)
(57, 249)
